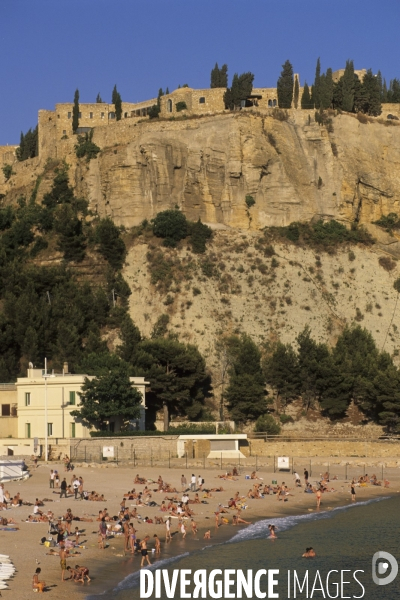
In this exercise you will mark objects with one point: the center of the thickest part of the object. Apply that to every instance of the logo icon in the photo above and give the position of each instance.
(380, 564)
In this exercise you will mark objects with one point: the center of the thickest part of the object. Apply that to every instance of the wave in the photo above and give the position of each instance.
(132, 580)
(259, 530)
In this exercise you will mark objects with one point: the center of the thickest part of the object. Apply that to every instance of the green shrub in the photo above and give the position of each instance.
(110, 244)
(249, 201)
(7, 171)
(322, 235)
(387, 263)
(388, 222)
(86, 147)
(199, 235)
(285, 419)
(39, 245)
(267, 424)
(170, 225)
(196, 291)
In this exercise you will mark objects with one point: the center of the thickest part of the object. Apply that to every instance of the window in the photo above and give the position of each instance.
(274, 102)
(72, 398)
(90, 115)
(27, 398)
(27, 430)
(202, 100)
(69, 115)
(6, 410)
(80, 115)
(49, 428)
(102, 115)
(125, 115)
(169, 105)
(111, 115)
(269, 102)
(72, 430)
(64, 132)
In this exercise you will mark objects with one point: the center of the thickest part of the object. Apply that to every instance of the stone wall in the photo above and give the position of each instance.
(7, 155)
(320, 448)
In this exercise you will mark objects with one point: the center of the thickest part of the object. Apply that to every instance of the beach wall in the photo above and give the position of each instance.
(319, 448)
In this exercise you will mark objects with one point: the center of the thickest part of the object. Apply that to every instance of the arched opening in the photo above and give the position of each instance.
(169, 105)
(269, 102)
(274, 103)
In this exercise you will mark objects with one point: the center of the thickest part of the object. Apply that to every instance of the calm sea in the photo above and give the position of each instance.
(345, 538)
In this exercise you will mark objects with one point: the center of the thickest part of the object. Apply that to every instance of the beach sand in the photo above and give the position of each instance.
(109, 566)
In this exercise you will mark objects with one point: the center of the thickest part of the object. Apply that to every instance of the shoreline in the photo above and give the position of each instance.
(109, 567)
(226, 533)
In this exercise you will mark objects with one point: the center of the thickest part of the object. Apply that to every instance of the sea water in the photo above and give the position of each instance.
(344, 539)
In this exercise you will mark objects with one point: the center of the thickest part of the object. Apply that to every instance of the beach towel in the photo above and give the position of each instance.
(8, 528)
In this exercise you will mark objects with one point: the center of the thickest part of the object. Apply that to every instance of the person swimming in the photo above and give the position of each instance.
(272, 533)
(309, 553)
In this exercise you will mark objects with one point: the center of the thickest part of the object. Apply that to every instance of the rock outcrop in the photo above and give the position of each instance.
(295, 169)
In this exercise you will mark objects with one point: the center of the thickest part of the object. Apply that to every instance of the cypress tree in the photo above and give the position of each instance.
(296, 93)
(285, 86)
(312, 97)
(384, 92)
(372, 94)
(326, 92)
(348, 87)
(305, 97)
(317, 85)
(75, 112)
(214, 76)
(380, 83)
(166, 91)
(223, 77)
(240, 89)
(117, 101)
(98, 99)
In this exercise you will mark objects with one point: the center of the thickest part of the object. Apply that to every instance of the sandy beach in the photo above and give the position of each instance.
(111, 565)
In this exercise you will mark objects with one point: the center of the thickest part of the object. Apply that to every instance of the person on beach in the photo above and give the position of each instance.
(52, 477)
(183, 483)
(63, 488)
(207, 535)
(318, 495)
(125, 526)
(216, 520)
(306, 477)
(193, 483)
(353, 492)
(36, 584)
(84, 571)
(157, 544)
(102, 533)
(75, 575)
(144, 552)
(309, 553)
(63, 560)
(183, 530)
(200, 483)
(297, 479)
(132, 538)
(194, 526)
(168, 530)
(236, 520)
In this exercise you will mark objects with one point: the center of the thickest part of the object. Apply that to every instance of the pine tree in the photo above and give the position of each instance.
(75, 112)
(305, 97)
(348, 87)
(317, 85)
(296, 93)
(285, 86)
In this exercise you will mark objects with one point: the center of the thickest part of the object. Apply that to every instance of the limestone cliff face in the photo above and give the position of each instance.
(294, 169)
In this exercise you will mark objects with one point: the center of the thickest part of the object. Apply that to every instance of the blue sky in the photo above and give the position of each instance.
(51, 47)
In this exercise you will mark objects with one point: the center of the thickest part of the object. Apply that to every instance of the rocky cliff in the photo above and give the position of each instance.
(295, 169)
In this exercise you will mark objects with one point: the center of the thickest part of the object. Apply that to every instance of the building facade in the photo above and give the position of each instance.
(61, 394)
